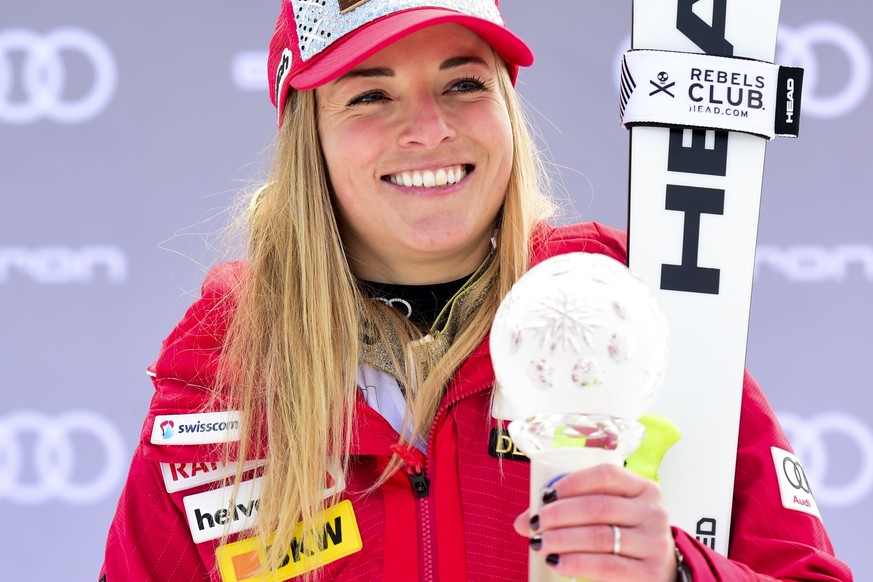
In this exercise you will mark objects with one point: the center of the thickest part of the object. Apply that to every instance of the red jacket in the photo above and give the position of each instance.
(448, 516)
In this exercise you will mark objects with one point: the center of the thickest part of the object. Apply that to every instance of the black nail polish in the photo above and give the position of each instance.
(549, 495)
(536, 542)
(535, 522)
(552, 559)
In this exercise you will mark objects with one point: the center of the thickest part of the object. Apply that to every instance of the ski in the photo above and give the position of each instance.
(694, 200)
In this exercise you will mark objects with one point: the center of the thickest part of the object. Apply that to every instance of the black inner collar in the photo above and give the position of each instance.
(420, 303)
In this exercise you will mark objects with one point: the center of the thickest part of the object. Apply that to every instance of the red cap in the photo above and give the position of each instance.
(316, 41)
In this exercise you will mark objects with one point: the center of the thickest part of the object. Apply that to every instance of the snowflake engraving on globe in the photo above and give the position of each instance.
(579, 333)
(563, 320)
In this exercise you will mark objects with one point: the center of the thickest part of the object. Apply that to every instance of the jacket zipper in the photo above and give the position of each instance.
(413, 461)
(414, 467)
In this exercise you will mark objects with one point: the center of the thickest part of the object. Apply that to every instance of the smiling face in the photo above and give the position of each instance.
(418, 147)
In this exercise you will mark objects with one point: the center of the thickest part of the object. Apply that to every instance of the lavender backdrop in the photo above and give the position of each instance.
(127, 128)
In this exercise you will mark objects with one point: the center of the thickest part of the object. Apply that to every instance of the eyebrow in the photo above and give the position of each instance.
(460, 61)
(451, 63)
(373, 72)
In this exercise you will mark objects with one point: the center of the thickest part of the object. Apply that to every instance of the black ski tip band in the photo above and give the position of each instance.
(789, 92)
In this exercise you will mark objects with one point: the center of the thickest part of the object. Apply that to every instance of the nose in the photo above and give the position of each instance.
(426, 123)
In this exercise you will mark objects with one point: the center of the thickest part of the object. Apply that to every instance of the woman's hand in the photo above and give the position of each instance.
(575, 528)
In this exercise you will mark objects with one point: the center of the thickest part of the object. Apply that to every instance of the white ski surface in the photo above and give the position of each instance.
(703, 388)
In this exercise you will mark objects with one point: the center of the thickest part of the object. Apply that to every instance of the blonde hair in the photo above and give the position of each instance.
(290, 359)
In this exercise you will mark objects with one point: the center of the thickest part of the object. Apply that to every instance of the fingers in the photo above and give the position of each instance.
(601, 495)
(634, 542)
(591, 513)
(594, 509)
(592, 539)
(522, 524)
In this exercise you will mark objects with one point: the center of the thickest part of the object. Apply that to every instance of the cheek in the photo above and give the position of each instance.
(502, 148)
(349, 214)
(332, 148)
(350, 153)
(337, 165)
(497, 134)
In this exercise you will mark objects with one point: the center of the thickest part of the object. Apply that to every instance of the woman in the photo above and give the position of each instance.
(338, 379)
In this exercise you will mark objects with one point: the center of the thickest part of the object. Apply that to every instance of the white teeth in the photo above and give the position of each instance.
(429, 178)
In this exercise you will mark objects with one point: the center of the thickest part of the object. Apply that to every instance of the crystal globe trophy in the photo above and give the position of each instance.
(580, 349)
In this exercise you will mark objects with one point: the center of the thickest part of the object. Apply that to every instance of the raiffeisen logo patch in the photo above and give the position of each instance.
(181, 476)
(196, 429)
(168, 429)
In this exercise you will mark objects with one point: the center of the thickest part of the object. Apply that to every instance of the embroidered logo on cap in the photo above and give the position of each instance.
(346, 5)
(794, 487)
(282, 71)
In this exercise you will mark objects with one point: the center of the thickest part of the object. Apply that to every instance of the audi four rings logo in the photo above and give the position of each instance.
(44, 458)
(795, 475)
(837, 451)
(40, 89)
(798, 47)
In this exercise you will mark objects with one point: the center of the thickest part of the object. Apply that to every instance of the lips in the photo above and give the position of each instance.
(430, 178)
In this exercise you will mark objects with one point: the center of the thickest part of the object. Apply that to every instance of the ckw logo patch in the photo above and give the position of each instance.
(339, 537)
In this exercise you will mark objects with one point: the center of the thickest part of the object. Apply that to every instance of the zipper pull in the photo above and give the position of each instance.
(413, 469)
(420, 482)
